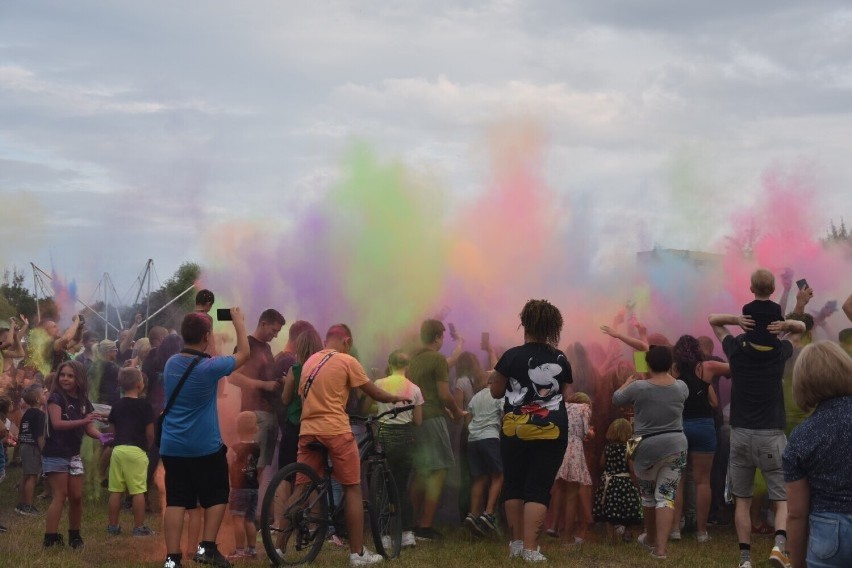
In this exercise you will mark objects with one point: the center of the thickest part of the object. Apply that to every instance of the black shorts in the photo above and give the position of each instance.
(483, 457)
(197, 481)
(530, 467)
(288, 447)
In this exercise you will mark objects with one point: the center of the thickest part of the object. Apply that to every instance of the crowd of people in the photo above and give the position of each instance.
(539, 440)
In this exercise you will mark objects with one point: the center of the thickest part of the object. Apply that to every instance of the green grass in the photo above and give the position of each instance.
(21, 546)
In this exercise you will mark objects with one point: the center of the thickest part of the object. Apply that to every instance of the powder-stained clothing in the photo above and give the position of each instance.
(243, 470)
(657, 408)
(324, 399)
(428, 368)
(399, 385)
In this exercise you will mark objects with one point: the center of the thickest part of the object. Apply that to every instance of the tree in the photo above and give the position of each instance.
(185, 276)
(837, 235)
(21, 300)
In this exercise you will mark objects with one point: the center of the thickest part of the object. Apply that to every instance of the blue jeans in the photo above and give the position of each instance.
(830, 540)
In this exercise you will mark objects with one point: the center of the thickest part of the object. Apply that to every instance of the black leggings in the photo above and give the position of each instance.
(397, 441)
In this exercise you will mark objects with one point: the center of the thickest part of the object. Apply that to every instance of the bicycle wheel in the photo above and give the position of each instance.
(384, 511)
(294, 518)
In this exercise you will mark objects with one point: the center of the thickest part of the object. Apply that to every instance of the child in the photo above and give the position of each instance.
(397, 438)
(244, 487)
(70, 416)
(574, 471)
(133, 420)
(617, 498)
(762, 310)
(5, 408)
(30, 441)
(485, 416)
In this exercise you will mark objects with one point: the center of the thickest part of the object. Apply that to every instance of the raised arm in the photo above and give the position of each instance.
(242, 353)
(787, 285)
(803, 296)
(788, 329)
(637, 344)
(719, 323)
(130, 335)
(62, 343)
(454, 356)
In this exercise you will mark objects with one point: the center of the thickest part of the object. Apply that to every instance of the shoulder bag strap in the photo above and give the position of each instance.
(182, 381)
(310, 380)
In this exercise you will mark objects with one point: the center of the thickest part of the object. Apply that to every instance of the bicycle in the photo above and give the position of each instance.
(298, 507)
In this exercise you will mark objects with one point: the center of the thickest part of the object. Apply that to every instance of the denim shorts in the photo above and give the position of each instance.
(243, 503)
(829, 544)
(700, 435)
(71, 466)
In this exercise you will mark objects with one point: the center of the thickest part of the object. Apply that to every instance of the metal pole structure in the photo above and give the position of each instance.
(117, 300)
(148, 295)
(172, 301)
(38, 273)
(35, 289)
(106, 306)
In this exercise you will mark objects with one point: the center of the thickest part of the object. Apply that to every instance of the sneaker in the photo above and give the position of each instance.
(251, 553)
(75, 542)
(365, 558)
(114, 530)
(33, 510)
(387, 543)
(336, 541)
(745, 564)
(534, 555)
(643, 540)
(3, 529)
(427, 533)
(211, 555)
(474, 525)
(702, 536)
(26, 510)
(658, 556)
(619, 530)
(489, 521)
(516, 548)
(779, 558)
(53, 540)
(408, 539)
(674, 535)
(171, 562)
(144, 530)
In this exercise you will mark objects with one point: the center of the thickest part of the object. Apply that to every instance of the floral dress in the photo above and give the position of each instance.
(574, 468)
(617, 498)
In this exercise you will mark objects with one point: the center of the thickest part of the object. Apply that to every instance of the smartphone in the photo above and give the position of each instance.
(802, 284)
(639, 362)
(485, 342)
(224, 314)
(453, 333)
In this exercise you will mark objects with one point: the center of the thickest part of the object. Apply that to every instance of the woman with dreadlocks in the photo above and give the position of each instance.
(532, 378)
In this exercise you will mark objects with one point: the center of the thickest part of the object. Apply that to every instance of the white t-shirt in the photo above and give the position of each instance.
(487, 415)
(398, 385)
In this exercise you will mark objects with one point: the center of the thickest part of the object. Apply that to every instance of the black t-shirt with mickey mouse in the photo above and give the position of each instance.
(533, 404)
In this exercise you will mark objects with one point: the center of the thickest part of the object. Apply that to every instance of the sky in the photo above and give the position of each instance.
(137, 130)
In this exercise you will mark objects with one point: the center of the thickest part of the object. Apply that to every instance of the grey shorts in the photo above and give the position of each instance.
(30, 459)
(267, 436)
(433, 446)
(752, 450)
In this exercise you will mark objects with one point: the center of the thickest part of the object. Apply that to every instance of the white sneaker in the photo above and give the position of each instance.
(516, 548)
(674, 535)
(366, 558)
(534, 555)
(702, 536)
(745, 564)
(643, 540)
(408, 539)
(387, 543)
(779, 558)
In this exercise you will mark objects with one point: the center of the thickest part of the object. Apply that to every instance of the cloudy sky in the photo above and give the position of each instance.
(127, 127)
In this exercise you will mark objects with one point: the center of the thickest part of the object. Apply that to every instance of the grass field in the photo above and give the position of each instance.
(21, 546)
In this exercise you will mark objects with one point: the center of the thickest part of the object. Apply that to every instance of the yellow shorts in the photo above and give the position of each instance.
(128, 470)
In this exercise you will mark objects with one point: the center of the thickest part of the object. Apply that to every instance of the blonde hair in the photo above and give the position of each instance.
(129, 377)
(619, 431)
(580, 398)
(822, 371)
(762, 282)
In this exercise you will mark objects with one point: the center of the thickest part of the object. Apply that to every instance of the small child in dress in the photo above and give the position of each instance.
(133, 420)
(244, 487)
(484, 419)
(30, 441)
(617, 499)
(574, 471)
(762, 310)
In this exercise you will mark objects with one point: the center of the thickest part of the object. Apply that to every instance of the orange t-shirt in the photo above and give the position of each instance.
(324, 408)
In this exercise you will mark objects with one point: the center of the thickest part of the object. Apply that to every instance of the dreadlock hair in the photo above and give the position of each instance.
(542, 321)
(687, 354)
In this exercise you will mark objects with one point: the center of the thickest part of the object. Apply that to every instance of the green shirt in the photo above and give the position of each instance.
(428, 367)
(294, 409)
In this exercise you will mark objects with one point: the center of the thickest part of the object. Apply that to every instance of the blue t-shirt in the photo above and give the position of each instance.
(819, 450)
(191, 428)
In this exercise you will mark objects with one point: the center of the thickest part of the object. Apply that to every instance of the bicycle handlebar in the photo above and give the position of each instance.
(393, 411)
